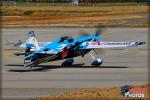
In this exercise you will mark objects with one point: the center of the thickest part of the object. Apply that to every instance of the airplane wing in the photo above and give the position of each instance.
(107, 44)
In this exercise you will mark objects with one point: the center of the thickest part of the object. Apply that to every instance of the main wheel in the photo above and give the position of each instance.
(97, 62)
(68, 62)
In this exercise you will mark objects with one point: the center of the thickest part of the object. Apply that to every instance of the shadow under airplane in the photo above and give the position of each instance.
(44, 68)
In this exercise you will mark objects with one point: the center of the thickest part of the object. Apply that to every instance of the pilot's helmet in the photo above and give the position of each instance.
(69, 39)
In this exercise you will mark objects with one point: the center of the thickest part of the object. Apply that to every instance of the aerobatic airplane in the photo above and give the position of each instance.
(66, 48)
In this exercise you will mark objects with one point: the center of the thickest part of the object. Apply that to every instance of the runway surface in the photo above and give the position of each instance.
(120, 67)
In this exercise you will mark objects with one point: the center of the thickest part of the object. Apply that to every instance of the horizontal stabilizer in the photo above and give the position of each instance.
(41, 44)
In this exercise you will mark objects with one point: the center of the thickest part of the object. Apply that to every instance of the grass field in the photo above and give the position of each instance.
(111, 15)
(70, 10)
(112, 93)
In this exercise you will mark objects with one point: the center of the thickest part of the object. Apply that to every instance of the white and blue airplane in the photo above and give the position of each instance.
(66, 48)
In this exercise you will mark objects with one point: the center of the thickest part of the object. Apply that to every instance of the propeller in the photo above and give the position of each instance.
(99, 31)
(83, 34)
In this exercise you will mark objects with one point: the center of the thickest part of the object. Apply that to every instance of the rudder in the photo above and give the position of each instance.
(31, 41)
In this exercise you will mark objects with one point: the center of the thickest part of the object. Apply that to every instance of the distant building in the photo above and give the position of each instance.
(74, 2)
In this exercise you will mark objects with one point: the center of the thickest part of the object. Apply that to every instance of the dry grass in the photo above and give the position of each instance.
(91, 94)
(68, 15)
(69, 10)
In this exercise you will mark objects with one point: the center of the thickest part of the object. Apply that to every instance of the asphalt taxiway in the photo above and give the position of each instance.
(121, 66)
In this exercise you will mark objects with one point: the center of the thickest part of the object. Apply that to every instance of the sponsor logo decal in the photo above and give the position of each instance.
(34, 39)
(110, 43)
(118, 43)
(97, 43)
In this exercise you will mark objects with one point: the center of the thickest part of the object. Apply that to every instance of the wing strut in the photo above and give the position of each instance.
(97, 61)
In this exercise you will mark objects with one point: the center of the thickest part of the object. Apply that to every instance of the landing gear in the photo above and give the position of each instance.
(96, 62)
(68, 62)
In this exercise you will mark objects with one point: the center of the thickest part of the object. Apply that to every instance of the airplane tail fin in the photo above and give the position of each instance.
(31, 41)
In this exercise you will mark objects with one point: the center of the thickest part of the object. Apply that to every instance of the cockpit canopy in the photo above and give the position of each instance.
(68, 38)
